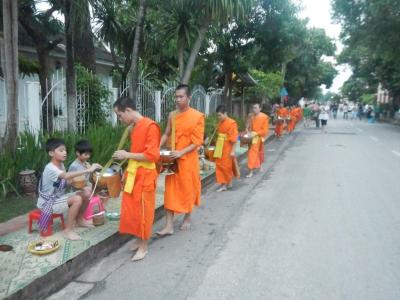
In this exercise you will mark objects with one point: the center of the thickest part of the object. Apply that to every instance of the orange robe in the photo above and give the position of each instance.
(224, 165)
(183, 189)
(279, 125)
(259, 125)
(299, 114)
(137, 208)
(293, 120)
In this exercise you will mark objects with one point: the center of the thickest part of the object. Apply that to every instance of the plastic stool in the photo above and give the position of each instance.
(90, 210)
(35, 215)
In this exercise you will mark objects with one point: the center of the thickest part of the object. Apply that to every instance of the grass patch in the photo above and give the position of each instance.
(13, 206)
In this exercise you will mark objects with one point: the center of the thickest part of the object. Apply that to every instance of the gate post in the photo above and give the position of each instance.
(157, 105)
(114, 95)
(34, 105)
(207, 108)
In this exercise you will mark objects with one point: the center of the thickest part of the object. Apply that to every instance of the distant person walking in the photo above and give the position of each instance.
(345, 111)
(370, 114)
(315, 110)
(360, 111)
(354, 112)
(323, 117)
(307, 113)
(334, 110)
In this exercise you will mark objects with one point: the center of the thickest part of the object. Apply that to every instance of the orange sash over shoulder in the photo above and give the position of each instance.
(183, 189)
(138, 201)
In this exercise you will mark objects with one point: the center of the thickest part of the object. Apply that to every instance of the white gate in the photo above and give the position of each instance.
(54, 112)
(199, 95)
(54, 104)
(168, 99)
(82, 110)
(215, 100)
(145, 103)
(28, 105)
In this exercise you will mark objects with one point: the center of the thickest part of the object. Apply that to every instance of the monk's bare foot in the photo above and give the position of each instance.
(261, 169)
(71, 235)
(85, 223)
(185, 224)
(140, 254)
(222, 188)
(250, 175)
(230, 185)
(134, 246)
(165, 232)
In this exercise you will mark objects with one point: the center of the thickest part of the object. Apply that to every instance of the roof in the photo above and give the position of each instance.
(244, 79)
(26, 44)
(239, 79)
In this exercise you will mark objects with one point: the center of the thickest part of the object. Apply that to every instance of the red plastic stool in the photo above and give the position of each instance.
(35, 215)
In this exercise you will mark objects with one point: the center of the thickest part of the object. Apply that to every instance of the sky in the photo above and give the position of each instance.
(319, 14)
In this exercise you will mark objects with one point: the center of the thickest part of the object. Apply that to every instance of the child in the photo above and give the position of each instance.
(83, 151)
(52, 196)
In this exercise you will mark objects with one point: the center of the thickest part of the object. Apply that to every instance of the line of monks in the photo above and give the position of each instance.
(185, 135)
(287, 118)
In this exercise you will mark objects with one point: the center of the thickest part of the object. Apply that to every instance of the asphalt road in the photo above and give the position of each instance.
(322, 222)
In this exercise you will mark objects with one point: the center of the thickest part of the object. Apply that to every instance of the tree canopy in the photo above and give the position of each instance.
(370, 33)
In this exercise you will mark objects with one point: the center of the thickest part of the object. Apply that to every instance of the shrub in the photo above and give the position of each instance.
(30, 153)
(96, 92)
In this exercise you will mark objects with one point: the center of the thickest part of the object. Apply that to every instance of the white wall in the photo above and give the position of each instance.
(28, 104)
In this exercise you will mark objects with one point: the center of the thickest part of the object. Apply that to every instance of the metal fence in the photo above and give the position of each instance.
(53, 115)
(199, 96)
(215, 100)
(51, 110)
(145, 103)
(168, 99)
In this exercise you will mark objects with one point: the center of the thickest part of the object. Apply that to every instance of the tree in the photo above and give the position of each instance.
(355, 87)
(210, 12)
(268, 84)
(46, 33)
(308, 71)
(135, 51)
(10, 29)
(370, 33)
(70, 57)
(180, 26)
(116, 28)
(83, 43)
(232, 43)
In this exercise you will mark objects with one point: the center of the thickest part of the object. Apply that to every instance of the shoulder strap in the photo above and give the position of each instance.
(121, 144)
(173, 130)
(212, 136)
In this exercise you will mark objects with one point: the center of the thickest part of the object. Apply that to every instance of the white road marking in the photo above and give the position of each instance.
(373, 138)
(359, 129)
(270, 150)
(396, 153)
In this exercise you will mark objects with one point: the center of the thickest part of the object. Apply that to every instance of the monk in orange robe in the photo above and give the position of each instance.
(139, 196)
(259, 127)
(293, 114)
(183, 189)
(299, 113)
(224, 152)
(281, 114)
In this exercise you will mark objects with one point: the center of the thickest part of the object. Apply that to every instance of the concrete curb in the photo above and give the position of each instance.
(50, 283)
(395, 122)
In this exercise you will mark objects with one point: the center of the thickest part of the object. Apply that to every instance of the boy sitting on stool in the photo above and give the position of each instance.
(52, 187)
(83, 151)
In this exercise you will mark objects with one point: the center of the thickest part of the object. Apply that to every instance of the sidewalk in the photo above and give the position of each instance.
(23, 275)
